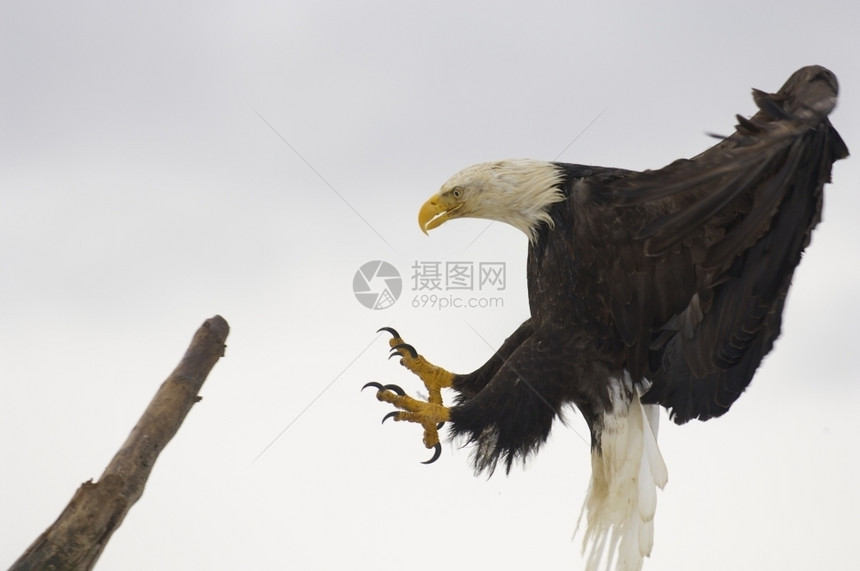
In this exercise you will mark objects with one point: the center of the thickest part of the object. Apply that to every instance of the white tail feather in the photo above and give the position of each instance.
(626, 473)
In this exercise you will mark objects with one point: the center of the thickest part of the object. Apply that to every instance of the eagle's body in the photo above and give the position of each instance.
(657, 288)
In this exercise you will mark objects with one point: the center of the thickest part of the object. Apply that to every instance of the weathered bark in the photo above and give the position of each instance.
(77, 538)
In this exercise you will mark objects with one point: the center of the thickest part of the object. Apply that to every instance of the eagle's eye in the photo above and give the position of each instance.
(457, 193)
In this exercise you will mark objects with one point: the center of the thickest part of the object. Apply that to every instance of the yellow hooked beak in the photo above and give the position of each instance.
(436, 212)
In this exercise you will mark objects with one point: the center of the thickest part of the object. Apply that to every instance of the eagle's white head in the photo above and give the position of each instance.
(516, 191)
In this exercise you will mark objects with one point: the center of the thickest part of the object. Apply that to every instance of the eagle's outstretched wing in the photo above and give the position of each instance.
(699, 301)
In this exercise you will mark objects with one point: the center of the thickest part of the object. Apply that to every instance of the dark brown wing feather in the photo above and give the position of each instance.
(697, 289)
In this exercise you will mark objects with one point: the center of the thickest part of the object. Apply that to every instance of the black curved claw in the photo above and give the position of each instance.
(391, 330)
(395, 389)
(406, 346)
(375, 385)
(389, 415)
(436, 453)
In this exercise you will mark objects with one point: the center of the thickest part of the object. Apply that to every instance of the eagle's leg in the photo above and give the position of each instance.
(434, 378)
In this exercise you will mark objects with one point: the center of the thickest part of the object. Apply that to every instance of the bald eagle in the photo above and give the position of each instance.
(646, 289)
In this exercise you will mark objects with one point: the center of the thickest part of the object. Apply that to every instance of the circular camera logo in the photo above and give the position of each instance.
(377, 285)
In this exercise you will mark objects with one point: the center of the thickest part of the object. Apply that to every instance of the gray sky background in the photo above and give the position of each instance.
(142, 193)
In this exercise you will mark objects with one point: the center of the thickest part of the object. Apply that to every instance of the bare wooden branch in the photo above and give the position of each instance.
(78, 537)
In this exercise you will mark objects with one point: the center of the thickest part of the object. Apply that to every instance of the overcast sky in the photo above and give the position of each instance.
(163, 162)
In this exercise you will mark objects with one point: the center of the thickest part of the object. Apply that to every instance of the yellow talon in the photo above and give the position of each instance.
(434, 378)
(415, 410)
(430, 414)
